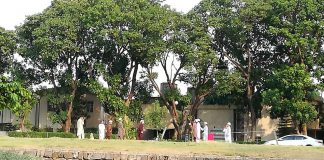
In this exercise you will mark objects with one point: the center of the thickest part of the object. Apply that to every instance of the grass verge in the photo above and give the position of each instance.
(183, 148)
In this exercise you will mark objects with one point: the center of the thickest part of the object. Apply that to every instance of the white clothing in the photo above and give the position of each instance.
(205, 136)
(80, 130)
(198, 132)
(101, 128)
(228, 134)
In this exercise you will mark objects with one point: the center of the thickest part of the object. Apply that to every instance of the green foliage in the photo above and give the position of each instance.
(13, 156)
(107, 96)
(41, 134)
(135, 111)
(156, 116)
(171, 93)
(16, 98)
(7, 49)
(58, 118)
(287, 94)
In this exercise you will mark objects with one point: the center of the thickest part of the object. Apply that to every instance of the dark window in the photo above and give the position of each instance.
(300, 137)
(89, 106)
(288, 138)
(50, 107)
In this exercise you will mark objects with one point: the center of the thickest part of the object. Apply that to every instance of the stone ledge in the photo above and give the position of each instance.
(51, 154)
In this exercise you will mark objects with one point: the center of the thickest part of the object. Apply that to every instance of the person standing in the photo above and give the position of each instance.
(198, 131)
(227, 133)
(101, 128)
(194, 130)
(205, 135)
(189, 134)
(80, 130)
(121, 130)
(109, 129)
(140, 130)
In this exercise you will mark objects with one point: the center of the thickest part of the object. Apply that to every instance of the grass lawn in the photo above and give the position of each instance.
(185, 148)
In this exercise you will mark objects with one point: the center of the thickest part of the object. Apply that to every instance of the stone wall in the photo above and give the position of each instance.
(57, 154)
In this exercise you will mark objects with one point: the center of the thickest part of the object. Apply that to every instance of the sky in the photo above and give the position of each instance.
(14, 12)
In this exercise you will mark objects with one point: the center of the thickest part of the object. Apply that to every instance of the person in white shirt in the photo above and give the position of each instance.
(80, 130)
(205, 135)
(198, 130)
(227, 133)
(101, 128)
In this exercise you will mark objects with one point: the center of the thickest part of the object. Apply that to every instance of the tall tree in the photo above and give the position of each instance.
(238, 32)
(290, 92)
(7, 48)
(128, 35)
(53, 42)
(296, 31)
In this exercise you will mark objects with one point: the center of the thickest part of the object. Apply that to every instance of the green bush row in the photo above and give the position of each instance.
(12, 156)
(41, 134)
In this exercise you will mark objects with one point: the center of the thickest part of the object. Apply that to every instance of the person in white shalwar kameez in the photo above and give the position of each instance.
(80, 130)
(205, 135)
(198, 130)
(227, 133)
(101, 128)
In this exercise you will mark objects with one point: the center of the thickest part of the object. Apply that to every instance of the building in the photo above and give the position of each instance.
(39, 116)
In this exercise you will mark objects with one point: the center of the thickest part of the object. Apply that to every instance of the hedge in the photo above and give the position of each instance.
(12, 156)
(41, 134)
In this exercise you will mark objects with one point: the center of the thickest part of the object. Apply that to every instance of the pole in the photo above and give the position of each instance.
(275, 135)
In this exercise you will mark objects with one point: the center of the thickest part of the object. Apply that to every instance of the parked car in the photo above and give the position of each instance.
(296, 140)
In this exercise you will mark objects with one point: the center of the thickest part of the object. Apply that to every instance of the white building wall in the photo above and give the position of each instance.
(216, 115)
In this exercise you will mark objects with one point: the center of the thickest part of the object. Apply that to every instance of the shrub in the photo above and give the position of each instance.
(91, 130)
(41, 134)
(12, 156)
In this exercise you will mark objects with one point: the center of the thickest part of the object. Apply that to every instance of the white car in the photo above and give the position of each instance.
(296, 140)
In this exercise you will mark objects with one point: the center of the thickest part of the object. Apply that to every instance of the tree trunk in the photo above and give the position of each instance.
(303, 129)
(131, 92)
(296, 126)
(22, 123)
(252, 118)
(67, 124)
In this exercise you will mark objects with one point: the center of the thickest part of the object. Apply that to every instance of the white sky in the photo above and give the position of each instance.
(13, 13)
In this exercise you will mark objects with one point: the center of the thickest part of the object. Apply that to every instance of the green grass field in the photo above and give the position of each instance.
(185, 148)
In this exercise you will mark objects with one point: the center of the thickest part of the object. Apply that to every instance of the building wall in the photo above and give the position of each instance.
(7, 117)
(216, 115)
(97, 115)
(266, 126)
(39, 114)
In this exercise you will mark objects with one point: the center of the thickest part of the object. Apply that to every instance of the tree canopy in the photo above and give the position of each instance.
(250, 50)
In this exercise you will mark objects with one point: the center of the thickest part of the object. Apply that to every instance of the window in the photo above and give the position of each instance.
(50, 107)
(89, 106)
(300, 137)
(288, 138)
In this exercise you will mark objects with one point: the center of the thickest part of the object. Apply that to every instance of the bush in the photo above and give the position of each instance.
(91, 130)
(96, 136)
(12, 156)
(41, 134)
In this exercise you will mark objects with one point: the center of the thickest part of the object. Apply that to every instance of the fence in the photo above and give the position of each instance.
(236, 136)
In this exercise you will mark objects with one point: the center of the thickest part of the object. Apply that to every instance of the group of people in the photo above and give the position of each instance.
(196, 129)
(105, 131)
